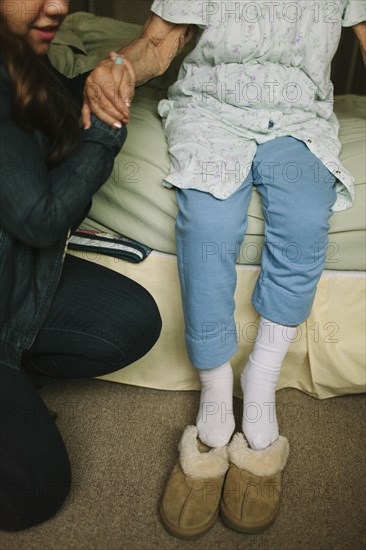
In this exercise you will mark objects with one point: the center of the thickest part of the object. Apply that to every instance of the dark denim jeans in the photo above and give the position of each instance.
(99, 322)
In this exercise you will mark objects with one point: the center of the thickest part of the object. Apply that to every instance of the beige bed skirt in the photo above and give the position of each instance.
(326, 359)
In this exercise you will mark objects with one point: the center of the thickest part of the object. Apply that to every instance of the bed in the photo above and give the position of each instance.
(328, 356)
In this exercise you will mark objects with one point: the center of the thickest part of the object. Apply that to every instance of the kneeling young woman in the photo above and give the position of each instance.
(61, 317)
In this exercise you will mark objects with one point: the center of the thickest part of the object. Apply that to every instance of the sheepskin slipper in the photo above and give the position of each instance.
(252, 490)
(191, 499)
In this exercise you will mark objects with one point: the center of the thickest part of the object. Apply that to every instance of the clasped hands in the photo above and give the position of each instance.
(108, 92)
(109, 89)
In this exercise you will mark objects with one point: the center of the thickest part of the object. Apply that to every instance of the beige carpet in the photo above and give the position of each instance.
(122, 442)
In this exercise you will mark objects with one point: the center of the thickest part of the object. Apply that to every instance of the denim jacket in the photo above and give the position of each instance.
(38, 206)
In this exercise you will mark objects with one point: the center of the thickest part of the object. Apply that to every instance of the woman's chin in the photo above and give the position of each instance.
(39, 47)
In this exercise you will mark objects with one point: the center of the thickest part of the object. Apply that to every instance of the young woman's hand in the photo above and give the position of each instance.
(109, 90)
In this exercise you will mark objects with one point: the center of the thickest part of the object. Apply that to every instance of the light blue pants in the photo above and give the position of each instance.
(297, 193)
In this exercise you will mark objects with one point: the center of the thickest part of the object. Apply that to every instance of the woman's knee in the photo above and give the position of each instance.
(134, 328)
(312, 234)
(34, 465)
(149, 322)
(206, 219)
(21, 509)
(33, 488)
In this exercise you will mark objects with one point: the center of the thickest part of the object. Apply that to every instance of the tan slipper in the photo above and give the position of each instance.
(252, 490)
(191, 499)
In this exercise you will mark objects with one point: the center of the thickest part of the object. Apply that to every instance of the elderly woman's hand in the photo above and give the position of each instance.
(110, 87)
(108, 92)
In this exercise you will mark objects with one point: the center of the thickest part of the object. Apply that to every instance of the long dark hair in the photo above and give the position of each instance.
(37, 102)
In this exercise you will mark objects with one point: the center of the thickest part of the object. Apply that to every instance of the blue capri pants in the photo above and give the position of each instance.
(297, 193)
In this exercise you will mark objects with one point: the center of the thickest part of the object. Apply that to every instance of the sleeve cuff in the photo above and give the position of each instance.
(105, 134)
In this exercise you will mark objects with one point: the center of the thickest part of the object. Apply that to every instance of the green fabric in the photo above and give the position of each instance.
(134, 202)
(84, 39)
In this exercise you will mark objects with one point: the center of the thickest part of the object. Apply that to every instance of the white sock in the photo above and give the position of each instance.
(259, 380)
(215, 419)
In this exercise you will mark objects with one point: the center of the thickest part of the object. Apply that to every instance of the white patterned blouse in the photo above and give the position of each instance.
(260, 69)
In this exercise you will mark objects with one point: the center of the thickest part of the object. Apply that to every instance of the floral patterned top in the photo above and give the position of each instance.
(260, 69)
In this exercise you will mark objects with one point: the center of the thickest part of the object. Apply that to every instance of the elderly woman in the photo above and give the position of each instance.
(252, 106)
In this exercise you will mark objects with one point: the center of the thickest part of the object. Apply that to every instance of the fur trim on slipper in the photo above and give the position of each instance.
(267, 462)
(201, 465)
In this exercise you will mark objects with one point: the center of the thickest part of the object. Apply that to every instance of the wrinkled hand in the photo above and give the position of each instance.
(108, 92)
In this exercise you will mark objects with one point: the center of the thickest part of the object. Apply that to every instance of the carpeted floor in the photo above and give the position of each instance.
(123, 443)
